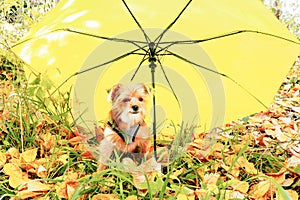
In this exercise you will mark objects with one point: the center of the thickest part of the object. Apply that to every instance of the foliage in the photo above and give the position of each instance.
(17, 16)
(42, 155)
(288, 12)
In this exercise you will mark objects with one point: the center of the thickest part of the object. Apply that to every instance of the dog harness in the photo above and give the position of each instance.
(121, 133)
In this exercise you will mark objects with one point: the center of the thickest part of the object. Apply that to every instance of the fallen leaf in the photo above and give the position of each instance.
(13, 152)
(12, 170)
(88, 155)
(132, 197)
(296, 109)
(185, 197)
(18, 180)
(238, 185)
(75, 140)
(29, 155)
(230, 194)
(67, 188)
(41, 171)
(293, 194)
(105, 197)
(2, 159)
(26, 194)
(258, 190)
(37, 186)
(71, 188)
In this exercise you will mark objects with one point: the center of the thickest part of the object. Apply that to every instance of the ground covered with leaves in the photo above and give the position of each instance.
(42, 155)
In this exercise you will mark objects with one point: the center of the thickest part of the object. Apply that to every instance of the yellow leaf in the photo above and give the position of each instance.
(132, 197)
(12, 170)
(17, 181)
(240, 186)
(260, 189)
(37, 186)
(105, 197)
(293, 194)
(211, 178)
(2, 159)
(184, 197)
(249, 167)
(29, 155)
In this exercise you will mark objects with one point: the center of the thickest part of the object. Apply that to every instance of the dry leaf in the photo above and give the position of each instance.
(29, 155)
(12, 170)
(41, 171)
(18, 180)
(249, 167)
(68, 187)
(132, 197)
(2, 159)
(26, 194)
(88, 155)
(75, 140)
(229, 195)
(185, 197)
(13, 152)
(257, 191)
(105, 197)
(293, 194)
(238, 185)
(37, 186)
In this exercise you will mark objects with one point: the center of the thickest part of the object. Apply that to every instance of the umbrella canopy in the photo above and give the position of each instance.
(215, 61)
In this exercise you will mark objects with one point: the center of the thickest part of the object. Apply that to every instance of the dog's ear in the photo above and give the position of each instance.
(148, 90)
(112, 93)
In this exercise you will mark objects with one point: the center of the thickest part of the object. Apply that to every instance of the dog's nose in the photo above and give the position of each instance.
(135, 108)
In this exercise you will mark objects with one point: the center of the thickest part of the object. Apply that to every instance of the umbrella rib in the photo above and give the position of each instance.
(223, 36)
(168, 81)
(95, 67)
(171, 24)
(216, 72)
(137, 22)
(136, 43)
(108, 38)
(138, 68)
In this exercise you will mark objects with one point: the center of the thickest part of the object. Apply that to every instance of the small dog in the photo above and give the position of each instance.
(126, 130)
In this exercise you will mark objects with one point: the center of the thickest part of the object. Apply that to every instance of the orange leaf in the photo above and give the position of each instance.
(71, 187)
(87, 155)
(13, 152)
(25, 194)
(75, 140)
(29, 155)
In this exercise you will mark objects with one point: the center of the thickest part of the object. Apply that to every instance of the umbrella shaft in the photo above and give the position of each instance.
(152, 67)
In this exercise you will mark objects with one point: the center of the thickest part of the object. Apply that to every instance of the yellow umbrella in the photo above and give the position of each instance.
(212, 61)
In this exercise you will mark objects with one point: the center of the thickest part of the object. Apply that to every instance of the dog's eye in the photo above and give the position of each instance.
(141, 99)
(126, 100)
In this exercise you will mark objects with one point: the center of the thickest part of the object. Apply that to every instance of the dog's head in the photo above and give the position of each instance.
(128, 104)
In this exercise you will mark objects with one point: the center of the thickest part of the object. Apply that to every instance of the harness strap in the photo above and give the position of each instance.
(121, 133)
